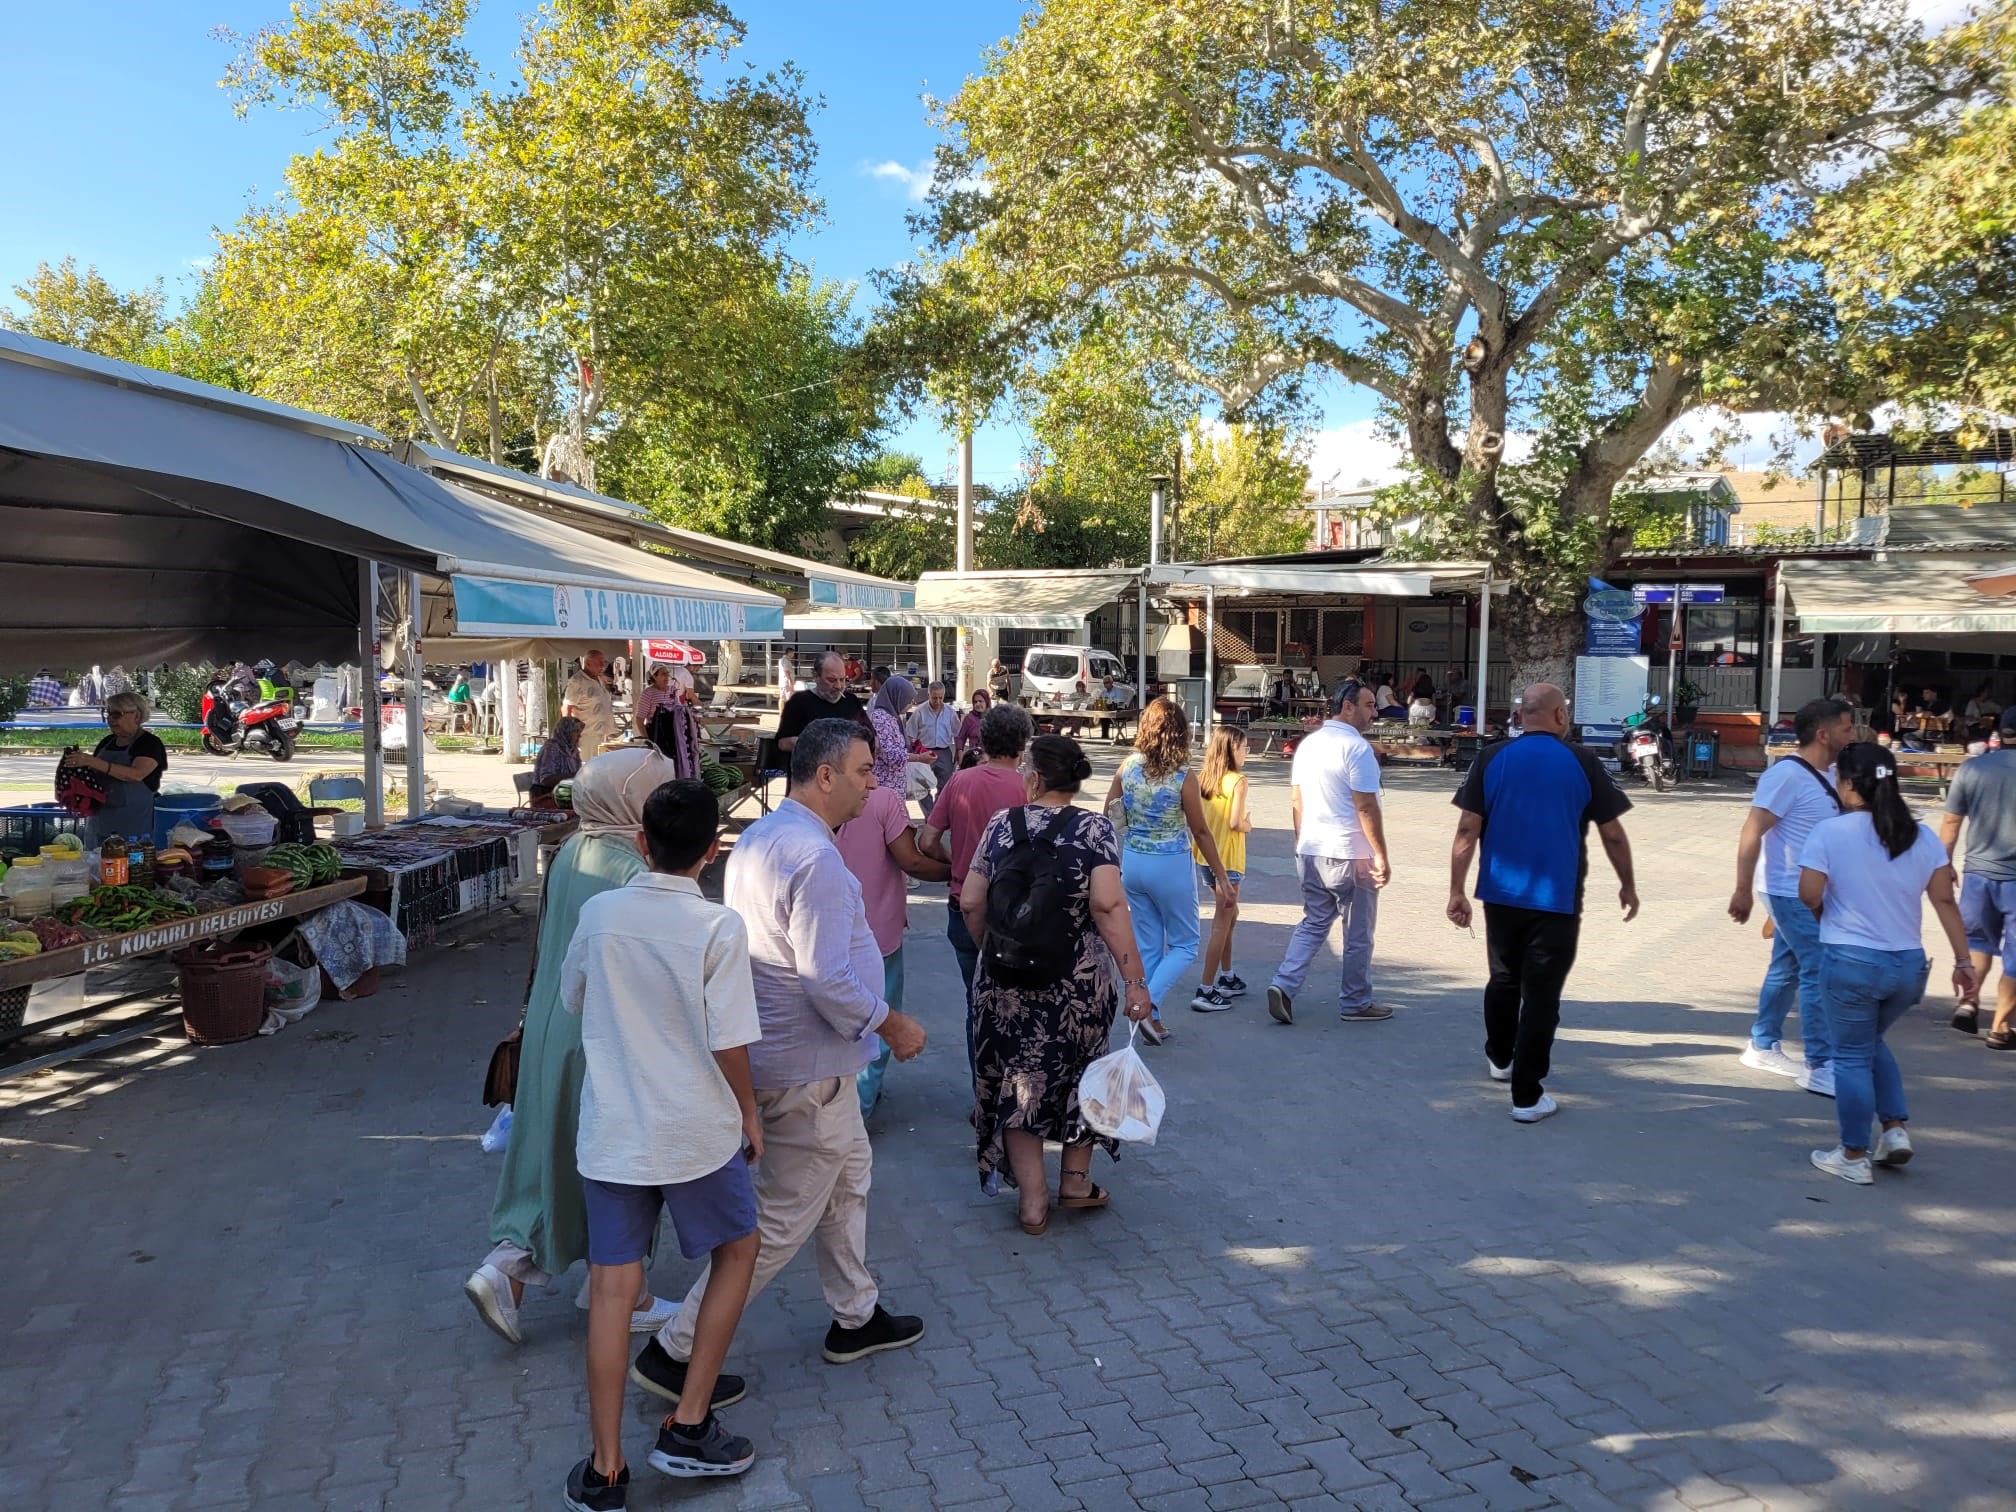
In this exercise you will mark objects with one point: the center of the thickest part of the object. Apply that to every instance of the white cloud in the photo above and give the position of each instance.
(1359, 455)
(916, 181)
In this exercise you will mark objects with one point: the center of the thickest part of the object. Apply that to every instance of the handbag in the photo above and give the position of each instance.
(500, 1077)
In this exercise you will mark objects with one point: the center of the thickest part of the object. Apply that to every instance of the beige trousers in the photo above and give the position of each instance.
(812, 1183)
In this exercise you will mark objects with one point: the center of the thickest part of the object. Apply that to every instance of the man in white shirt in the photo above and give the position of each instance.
(1340, 852)
(587, 699)
(1793, 796)
(934, 725)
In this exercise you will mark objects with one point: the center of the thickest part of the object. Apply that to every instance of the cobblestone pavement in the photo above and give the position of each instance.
(1343, 1279)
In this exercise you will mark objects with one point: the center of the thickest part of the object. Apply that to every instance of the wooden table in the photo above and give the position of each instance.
(175, 934)
(1942, 763)
(1425, 744)
(1076, 721)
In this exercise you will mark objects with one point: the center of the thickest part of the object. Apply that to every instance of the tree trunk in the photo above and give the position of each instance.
(1540, 643)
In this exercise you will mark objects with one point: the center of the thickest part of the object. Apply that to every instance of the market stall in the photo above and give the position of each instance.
(427, 872)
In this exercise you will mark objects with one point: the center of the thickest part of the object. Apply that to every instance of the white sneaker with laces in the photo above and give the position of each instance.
(1818, 1079)
(1835, 1162)
(489, 1291)
(1210, 1000)
(1774, 1060)
(643, 1320)
(1893, 1148)
(1545, 1108)
(1498, 1073)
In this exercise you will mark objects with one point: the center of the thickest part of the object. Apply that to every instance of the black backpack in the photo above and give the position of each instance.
(1029, 939)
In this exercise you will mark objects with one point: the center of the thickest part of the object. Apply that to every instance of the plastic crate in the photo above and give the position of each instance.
(24, 831)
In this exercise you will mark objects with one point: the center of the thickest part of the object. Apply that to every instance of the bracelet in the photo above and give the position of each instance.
(1141, 982)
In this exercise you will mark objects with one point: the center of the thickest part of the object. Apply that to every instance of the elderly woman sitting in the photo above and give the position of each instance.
(132, 759)
(559, 759)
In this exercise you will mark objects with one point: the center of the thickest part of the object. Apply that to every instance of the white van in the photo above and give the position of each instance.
(1051, 674)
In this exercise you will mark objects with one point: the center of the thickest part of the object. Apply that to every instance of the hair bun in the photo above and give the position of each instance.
(1082, 769)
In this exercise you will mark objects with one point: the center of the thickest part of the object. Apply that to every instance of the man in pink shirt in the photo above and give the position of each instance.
(881, 851)
(965, 806)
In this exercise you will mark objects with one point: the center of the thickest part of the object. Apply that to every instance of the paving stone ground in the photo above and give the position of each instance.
(1344, 1278)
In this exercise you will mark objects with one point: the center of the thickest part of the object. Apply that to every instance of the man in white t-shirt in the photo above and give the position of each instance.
(586, 698)
(1340, 853)
(1792, 797)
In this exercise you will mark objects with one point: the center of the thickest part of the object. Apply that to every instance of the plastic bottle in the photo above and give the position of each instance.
(28, 887)
(112, 862)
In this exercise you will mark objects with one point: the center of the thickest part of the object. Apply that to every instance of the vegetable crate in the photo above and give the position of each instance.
(24, 831)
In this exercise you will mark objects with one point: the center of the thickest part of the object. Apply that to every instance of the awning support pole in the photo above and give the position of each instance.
(416, 714)
(510, 721)
(367, 693)
(1141, 644)
(1210, 661)
(1777, 652)
(1484, 652)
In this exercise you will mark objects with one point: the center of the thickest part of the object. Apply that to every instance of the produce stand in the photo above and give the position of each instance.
(428, 871)
(1080, 722)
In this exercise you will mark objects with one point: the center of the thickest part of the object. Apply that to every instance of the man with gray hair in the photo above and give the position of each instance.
(827, 698)
(934, 725)
(818, 977)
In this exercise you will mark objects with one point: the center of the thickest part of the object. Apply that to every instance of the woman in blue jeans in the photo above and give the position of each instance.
(1865, 874)
(1162, 815)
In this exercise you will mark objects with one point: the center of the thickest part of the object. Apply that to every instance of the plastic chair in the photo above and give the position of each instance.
(335, 789)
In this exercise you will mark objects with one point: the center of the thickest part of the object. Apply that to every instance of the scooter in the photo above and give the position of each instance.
(1646, 746)
(269, 725)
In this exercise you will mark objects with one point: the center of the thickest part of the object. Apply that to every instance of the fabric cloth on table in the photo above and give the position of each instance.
(349, 939)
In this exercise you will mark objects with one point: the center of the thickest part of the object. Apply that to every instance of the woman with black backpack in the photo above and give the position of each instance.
(1045, 904)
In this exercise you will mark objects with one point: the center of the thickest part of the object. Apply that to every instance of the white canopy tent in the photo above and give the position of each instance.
(147, 518)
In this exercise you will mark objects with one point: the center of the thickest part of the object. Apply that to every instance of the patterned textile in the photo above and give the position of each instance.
(349, 939)
(1154, 808)
(1031, 1044)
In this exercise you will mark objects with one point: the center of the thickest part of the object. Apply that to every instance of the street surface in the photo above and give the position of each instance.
(1343, 1278)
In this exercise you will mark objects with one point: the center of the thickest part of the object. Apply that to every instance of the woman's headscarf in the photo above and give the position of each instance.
(609, 792)
(560, 757)
(896, 697)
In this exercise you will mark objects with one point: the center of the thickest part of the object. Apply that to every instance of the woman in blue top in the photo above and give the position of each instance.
(1864, 875)
(1162, 815)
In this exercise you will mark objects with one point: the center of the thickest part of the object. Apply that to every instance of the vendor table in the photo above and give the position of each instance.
(1263, 734)
(1942, 763)
(433, 869)
(174, 935)
(1424, 744)
(1077, 721)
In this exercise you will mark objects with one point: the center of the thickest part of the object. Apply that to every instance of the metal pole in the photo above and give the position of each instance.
(412, 670)
(367, 693)
(1141, 645)
(1674, 654)
(967, 673)
(1484, 652)
(510, 713)
(1210, 656)
(1777, 651)
(1155, 526)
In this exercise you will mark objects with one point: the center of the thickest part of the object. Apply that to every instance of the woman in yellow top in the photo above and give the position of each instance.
(1223, 787)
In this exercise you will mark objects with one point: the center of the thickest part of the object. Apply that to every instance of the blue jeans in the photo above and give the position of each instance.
(868, 1080)
(1794, 974)
(1331, 886)
(1162, 897)
(1868, 991)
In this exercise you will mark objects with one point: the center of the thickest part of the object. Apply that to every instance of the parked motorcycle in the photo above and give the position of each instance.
(1646, 746)
(268, 726)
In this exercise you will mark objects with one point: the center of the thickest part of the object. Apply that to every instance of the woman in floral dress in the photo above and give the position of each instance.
(1032, 1043)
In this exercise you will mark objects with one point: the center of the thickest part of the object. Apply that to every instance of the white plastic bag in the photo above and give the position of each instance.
(292, 993)
(498, 1134)
(1119, 1097)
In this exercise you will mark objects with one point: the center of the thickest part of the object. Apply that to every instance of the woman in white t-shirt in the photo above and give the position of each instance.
(1865, 874)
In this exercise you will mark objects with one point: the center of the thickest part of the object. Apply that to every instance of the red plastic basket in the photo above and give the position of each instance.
(223, 991)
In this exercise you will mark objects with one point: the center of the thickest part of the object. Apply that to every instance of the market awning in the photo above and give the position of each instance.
(1382, 582)
(1923, 596)
(1021, 600)
(145, 518)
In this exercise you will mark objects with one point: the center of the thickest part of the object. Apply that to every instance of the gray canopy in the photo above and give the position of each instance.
(146, 518)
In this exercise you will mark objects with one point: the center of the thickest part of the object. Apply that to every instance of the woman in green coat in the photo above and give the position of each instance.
(538, 1223)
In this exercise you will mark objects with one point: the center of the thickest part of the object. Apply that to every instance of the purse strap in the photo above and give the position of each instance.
(532, 971)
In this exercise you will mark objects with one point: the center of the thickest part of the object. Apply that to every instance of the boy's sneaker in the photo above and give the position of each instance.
(1774, 1060)
(589, 1492)
(657, 1372)
(1210, 1000)
(1835, 1162)
(706, 1449)
(1229, 985)
(883, 1331)
(1893, 1148)
(1818, 1079)
(1280, 1006)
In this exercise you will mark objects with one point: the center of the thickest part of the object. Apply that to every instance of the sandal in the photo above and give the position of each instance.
(1035, 1230)
(1095, 1196)
(1965, 1018)
(1154, 1030)
(2000, 1039)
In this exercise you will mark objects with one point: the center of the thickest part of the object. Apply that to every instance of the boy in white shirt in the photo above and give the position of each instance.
(660, 977)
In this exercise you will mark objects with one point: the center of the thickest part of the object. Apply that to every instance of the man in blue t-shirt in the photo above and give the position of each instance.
(1531, 802)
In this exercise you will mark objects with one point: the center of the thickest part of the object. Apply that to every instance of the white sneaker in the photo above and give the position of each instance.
(1210, 1000)
(1836, 1163)
(1498, 1072)
(642, 1319)
(1545, 1108)
(489, 1292)
(1893, 1148)
(1774, 1060)
(1818, 1079)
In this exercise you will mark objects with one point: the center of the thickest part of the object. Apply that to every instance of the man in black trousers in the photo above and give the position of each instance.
(1531, 802)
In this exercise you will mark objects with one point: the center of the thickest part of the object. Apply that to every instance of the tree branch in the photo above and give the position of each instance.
(1670, 391)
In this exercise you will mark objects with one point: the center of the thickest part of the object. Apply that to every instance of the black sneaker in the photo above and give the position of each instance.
(1229, 985)
(709, 1449)
(657, 1372)
(589, 1492)
(880, 1332)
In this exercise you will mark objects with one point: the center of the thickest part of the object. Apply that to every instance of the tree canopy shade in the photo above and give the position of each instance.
(1555, 217)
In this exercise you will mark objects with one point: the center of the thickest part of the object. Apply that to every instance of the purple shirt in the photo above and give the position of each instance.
(812, 956)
